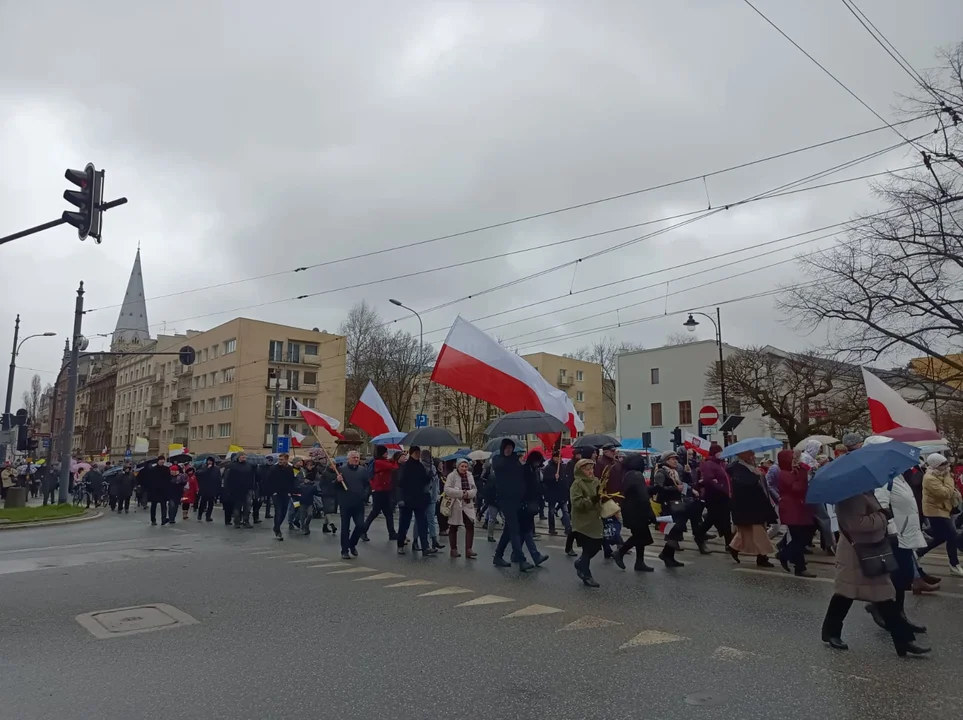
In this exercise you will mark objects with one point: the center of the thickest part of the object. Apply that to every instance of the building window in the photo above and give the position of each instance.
(227, 375)
(685, 412)
(310, 378)
(628, 406)
(310, 348)
(194, 433)
(194, 408)
(210, 405)
(275, 351)
(210, 431)
(580, 396)
(579, 375)
(226, 402)
(308, 402)
(215, 351)
(656, 419)
(224, 430)
(294, 352)
(654, 376)
(212, 378)
(434, 419)
(581, 414)
(203, 357)
(230, 346)
(447, 420)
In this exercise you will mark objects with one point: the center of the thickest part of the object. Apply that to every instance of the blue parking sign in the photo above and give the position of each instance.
(421, 421)
(284, 444)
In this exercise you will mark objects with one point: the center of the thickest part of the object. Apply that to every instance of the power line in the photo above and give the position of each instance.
(526, 218)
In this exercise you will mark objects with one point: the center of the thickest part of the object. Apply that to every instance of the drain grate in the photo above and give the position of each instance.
(132, 620)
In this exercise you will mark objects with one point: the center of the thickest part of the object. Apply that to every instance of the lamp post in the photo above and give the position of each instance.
(691, 324)
(13, 360)
(421, 345)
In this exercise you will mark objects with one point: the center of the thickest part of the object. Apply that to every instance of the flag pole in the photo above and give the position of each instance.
(330, 459)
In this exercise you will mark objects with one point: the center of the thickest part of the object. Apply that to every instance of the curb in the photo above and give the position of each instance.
(51, 523)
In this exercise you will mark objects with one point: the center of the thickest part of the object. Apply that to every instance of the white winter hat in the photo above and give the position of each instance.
(876, 440)
(935, 460)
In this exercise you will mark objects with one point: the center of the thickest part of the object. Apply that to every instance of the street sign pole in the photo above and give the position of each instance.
(68, 428)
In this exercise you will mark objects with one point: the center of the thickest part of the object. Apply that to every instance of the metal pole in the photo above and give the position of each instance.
(277, 404)
(13, 366)
(130, 414)
(68, 429)
(722, 371)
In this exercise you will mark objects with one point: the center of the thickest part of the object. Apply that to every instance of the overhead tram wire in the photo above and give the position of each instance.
(526, 218)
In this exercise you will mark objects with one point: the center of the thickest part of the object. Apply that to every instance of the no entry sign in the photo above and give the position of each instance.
(709, 416)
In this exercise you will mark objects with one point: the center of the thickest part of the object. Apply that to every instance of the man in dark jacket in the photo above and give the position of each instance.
(209, 485)
(413, 483)
(351, 496)
(157, 481)
(239, 485)
(608, 460)
(281, 481)
(508, 492)
(552, 481)
(95, 484)
(263, 492)
(122, 487)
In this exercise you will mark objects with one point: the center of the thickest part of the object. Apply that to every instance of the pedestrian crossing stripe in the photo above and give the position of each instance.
(533, 610)
(453, 590)
(353, 570)
(294, 555)
(485, 600)
(328, 565)
(730, 653)
(651, 637)
(379, 576)
(314, 559)
(771, 573)
(589, 622)
(411, 583)
(263, 552)
(274, 556)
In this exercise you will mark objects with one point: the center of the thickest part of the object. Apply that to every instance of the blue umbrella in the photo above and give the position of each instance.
(388, 438)
(863, 470)
(758, 444)
(462, 453)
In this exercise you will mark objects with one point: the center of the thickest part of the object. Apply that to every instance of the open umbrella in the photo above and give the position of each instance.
(430, 437)
(821, 439)
(479, 455)
(388, 438)
(757, 444)
(525, 422)
(495, 444)
(596, 440)
(859, 471)
(907, 435)
(460, 453)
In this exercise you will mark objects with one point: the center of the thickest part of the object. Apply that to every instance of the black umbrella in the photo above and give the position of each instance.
(525, 422)
(495, 444)
(431, 437)
(596, 440)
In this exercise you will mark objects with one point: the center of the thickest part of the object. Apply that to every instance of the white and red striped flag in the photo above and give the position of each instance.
(888, 410)
(297, 439)
(694, 442)
(371, 414)
(315, 418)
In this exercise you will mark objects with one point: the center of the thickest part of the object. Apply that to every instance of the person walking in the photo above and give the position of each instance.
(175, 493)
(531, 503)
(191, 492)
(413, 484)
(556, 494)
(752, 510)
(862, 527)
(209, 485)
(282, 483)
(124, 488)
(460, 488)
(794, 512)
(263, 495)
(382, 491)
(434, 493)
(586, 498)
(675, 501)
(637, 514)
(157, 480)
(307, 490)
(940, 499)
(239, 486)
(508, 491)
(351, 494)
(567, 478)
(715, 487)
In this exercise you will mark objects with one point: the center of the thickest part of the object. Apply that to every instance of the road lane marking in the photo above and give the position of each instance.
(589, 622)
(651, 637)
(486, 600)
(730, 653)
(314, 559)
(379, 576)
(294, 555)
(772, 573)
(411, 583)
(76, 545)
(274, 556)
(264, 552)
(533, 610)
(452, 590)
(328, 565)
(359, 569)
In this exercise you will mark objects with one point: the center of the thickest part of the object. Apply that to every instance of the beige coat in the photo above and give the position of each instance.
(938, 494)
(464, 504)
(861, 519)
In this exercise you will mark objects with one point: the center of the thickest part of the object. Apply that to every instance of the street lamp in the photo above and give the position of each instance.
(421, 344)
(13, 360)
(691, 324)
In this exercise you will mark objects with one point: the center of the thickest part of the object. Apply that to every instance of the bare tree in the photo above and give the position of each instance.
(470, 413)
(678, 338)
(31, 398)
(604, 352)
(896, 284)
(804, 394)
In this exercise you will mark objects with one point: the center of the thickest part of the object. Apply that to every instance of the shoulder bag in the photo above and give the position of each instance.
(876, 558)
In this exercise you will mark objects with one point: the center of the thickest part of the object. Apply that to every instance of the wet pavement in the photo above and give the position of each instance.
(288, 629)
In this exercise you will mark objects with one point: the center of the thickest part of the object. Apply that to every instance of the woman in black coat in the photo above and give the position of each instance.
(752, 510)
(531, 502)
(637, 513)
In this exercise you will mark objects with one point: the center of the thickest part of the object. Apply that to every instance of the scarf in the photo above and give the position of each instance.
(465, 486)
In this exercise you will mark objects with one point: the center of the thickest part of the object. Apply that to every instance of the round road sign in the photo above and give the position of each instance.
(709, 416)
(187, 355)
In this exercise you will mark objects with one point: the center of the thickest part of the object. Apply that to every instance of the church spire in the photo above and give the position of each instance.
(132, 328)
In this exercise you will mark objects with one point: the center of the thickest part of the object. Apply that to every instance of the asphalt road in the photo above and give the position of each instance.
(279, 630)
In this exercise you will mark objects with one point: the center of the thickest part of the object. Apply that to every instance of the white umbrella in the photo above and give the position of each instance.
(479, 455)
(821, 439)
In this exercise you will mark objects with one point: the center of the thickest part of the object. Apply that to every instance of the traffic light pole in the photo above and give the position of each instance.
(13, 367)
(59, 221)
(68, 428)
(277, 407)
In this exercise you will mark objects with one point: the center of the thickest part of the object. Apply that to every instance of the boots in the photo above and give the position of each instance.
(469, 541)
(763, 561)
(453, 541)
(668, 557)
(920, 586)
(640, 565)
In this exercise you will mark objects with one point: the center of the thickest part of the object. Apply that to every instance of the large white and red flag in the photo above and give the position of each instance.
(474, 363)
(371, 414)
(297, 439)
(315, 418)
(888, 409)
(696, 443)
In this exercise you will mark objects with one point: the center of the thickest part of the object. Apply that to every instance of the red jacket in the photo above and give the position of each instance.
(384, 471)
(793, 485)
(713, 479)
(191, 488)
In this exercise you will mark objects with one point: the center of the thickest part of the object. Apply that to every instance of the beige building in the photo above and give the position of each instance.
(582, 382)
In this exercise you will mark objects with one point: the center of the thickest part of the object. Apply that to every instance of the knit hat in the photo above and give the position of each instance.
(714, 449)
(851, 440)
(668, 455)
(935, 460)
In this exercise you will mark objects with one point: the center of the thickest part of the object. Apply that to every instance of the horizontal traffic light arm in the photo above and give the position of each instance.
(59, 221)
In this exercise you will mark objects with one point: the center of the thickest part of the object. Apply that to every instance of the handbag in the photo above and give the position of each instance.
(609, 509)
(611, 528)
(875, 559)
(447, 503)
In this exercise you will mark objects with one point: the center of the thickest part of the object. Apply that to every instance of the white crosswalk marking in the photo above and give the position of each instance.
(651, 637)
(274, 556)
(294, 555)
(773, 573)
(485, 600)
(453, 590)
(411, 583)
(589, 622)
(379, 576)
(352, 570)
(328, 565)
(263, 552)
(730, 653)
(534, 610)
(314, 559)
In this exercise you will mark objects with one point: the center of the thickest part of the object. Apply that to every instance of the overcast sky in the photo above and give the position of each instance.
(253, 139)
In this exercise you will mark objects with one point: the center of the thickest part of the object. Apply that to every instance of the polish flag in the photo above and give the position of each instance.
(296, 438)
(888, 409)
(472, 362)
(316, 418)
(371, 414)
(694, 442)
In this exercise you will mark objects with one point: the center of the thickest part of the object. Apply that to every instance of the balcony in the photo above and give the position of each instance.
(179, 419)
(183, 393)
(312, 360)
(180, 441)
(156, 400)
(564, 380)
(153, 422)
(272, 384)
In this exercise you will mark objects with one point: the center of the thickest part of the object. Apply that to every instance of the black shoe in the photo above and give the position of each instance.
(354, 552)
(401, 550)
(491, 539)
(914, 628)
(670, 562)
(525, 566)
(781, 557)
(704, 549)
(366, 538)
(153, 522)
(571, 553)
(930, 579)
(913, 649)
(876, 615)
(334, 528)
(836, 643)
(763, 561)
(618, 560)
(437, 545)
(278, 536)
(640, 566)
(324, 528)
(209, 519)
(500, 562)
(345, 556)
(248, 526)
(541, 558)
(258, 522)
(804, 574)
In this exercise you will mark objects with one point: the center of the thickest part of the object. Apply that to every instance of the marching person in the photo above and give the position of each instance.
(351, 494)
(460, 487)
(508, 492)
(178, 483)
(715, 487)
(586, 497)
(209, 485)
(382, 491)
(794, 512)
(413, 484)
(282, 483)
(940, 498)
(239, 486)
(637, 514)
(752, 510)
(191, 492)
(531, 502)
(556, 494)
(124, 488)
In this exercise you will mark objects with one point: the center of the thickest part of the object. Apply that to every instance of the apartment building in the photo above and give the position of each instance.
(583, 382)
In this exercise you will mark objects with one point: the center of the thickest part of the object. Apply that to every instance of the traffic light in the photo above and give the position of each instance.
(676, 437)
(88, 199)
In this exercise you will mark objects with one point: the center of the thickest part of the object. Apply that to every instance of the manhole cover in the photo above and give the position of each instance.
(130, 620)
(704, 698)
